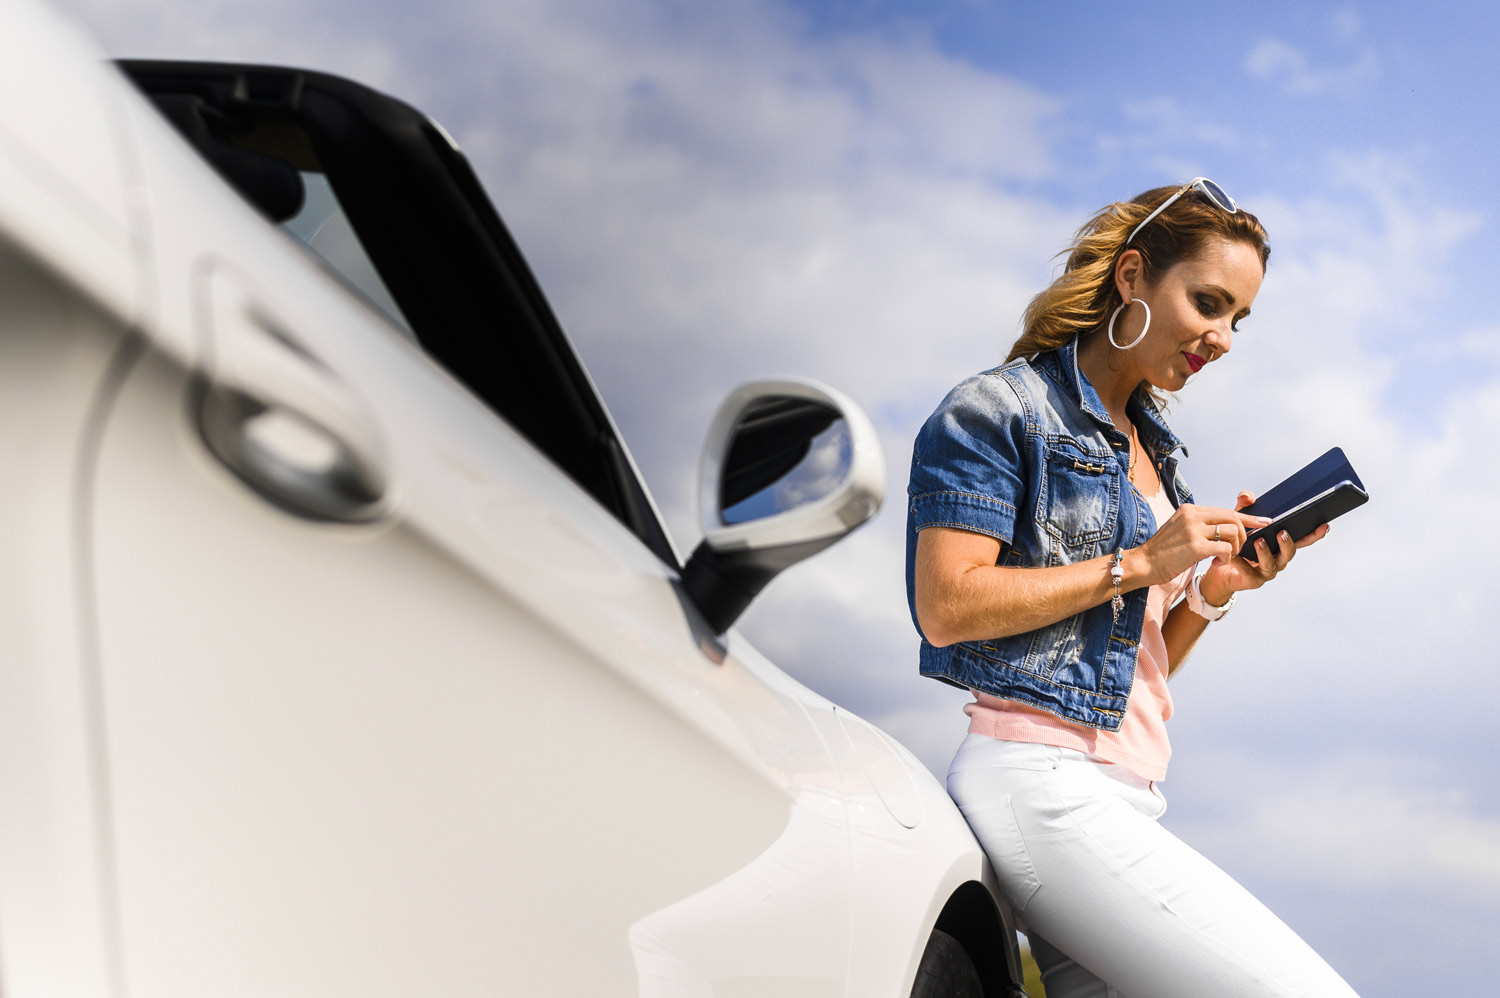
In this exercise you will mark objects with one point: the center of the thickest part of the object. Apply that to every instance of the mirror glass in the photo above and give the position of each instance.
(785, 452)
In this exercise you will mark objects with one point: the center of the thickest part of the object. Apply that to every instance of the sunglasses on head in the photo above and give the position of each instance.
(1204, 186)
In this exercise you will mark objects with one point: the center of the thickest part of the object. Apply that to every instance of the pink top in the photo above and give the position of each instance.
(1141, 742)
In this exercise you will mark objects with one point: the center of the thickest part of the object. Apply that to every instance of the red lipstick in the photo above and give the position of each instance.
(1195, 362)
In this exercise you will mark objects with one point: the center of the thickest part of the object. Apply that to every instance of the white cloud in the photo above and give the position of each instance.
(1347, 23)
(1165, 138)
(1317, 366)
(1164, 122)
(274, 31)
(826, 228)
(1475, 346)
(1372, 822)
(1294, 73)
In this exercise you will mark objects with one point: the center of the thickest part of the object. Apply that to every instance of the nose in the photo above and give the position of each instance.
(1219, 339)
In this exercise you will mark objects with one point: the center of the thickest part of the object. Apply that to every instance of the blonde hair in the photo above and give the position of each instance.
(1083, 295)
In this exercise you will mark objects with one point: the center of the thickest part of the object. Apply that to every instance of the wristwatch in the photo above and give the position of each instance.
(1201, 606)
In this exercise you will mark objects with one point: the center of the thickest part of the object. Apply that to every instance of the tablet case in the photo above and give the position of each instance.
(1330, 480)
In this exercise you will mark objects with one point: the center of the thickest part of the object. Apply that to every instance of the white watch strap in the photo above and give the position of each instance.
(1201, 606)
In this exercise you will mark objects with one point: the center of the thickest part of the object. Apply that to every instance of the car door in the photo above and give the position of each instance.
(69, 291)
(390, 704)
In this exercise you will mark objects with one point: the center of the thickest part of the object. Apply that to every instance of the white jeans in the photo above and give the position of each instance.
(1115, 905)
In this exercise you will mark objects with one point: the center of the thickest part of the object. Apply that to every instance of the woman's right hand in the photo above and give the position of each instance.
(1190, 535)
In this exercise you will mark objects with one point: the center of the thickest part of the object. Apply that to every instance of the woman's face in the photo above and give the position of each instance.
(1195, 307)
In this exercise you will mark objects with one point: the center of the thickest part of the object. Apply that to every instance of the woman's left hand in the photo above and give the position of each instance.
(1232, 574)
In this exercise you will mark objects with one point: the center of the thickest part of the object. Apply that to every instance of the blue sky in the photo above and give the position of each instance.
(868, 193)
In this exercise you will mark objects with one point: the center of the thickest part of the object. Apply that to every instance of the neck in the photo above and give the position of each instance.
(1110, 372)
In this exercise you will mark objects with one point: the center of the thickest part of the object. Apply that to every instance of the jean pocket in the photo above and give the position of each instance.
(994, 825)
(981, 753)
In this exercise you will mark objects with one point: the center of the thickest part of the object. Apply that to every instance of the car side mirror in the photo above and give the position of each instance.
(789, 467)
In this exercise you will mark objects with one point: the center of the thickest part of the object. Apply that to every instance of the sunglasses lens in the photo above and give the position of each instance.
(1217, 196)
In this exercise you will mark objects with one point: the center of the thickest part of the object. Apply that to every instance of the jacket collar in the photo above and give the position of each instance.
(1062, 365)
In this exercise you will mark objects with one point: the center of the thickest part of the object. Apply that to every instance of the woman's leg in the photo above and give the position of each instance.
(1076, 845)
(1063, 975)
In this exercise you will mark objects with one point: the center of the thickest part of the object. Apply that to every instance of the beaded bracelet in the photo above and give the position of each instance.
(1116, 573)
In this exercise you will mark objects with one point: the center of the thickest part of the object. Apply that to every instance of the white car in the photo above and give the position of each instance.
(343, 651)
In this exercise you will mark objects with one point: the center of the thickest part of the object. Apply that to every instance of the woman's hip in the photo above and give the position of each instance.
(1046, 783)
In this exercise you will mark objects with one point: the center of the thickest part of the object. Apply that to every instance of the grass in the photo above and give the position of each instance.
(1033, 980)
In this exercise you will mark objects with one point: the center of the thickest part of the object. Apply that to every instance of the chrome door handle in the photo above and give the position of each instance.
(283, 420)
(289, 458)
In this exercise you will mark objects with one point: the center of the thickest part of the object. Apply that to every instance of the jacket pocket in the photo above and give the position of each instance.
(1080, 495)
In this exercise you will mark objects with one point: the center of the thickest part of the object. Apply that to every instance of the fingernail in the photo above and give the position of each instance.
(1284, 536)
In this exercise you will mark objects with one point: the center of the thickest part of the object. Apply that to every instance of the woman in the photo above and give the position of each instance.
(1052, 550)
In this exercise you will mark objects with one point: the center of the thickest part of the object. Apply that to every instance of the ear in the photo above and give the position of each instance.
(1129, 273)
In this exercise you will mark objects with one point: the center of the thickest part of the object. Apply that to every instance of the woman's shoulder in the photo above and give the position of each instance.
(1003, 392)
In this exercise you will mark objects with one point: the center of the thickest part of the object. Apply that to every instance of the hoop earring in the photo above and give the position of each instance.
(1110, 332)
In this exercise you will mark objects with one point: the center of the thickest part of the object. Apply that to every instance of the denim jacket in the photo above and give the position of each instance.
(1027, 454)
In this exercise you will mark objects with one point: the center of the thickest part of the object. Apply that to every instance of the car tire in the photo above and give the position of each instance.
(946, 970)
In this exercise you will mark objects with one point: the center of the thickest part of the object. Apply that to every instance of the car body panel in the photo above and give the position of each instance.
(479, 741)
(64, 158)
(421, 745)
(491, 583)
(56, 919)
(70, 284)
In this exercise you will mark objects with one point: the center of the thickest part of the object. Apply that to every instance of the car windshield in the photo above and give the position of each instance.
(323, 228)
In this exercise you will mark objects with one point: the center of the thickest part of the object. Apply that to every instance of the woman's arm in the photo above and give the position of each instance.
(1180, 632)
(962, 595)
(1182, 628)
